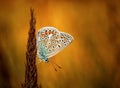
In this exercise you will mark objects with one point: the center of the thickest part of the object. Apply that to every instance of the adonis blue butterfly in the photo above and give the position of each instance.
(50, 41)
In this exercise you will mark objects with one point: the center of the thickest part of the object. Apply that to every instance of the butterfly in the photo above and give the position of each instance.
(51, 41)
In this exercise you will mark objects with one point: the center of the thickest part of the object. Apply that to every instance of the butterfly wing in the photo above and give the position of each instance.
(45, 33)
(50, 41)
(63, 40)
(44, 37)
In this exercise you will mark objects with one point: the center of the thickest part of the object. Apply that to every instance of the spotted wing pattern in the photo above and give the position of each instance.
(63, 41)
(53, 40)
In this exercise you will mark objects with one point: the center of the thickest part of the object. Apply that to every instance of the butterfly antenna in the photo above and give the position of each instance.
(53, 66)
(57, 65)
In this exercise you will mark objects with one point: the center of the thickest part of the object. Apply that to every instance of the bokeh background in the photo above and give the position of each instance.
(91, 61)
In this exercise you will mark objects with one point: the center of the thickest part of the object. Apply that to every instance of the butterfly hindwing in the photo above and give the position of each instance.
(63, 41)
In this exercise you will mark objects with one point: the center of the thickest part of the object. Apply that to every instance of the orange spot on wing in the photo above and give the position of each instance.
(53, 33)
(46, 32)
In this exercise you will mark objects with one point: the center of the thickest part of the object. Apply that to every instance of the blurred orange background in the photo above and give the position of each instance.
(91, 61)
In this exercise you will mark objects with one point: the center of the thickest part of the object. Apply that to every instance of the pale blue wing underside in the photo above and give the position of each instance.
(64, 40)
(50, 41)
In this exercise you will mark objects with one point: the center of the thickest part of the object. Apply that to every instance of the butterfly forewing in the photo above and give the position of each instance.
(46, 37)
(46, 34)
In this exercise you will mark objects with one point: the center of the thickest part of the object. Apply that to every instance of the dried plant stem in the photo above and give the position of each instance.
(31, 69)
(114, 34)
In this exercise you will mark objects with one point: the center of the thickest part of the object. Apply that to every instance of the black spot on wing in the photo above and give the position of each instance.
(53, 46)
(49, 50)
(59, 46)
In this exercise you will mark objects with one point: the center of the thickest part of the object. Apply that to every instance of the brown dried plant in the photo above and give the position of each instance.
(31, 69)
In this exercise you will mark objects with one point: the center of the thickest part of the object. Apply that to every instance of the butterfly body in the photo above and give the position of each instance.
(50, 41)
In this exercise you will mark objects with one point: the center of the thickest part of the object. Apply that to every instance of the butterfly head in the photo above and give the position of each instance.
(46, 60)
(43, 57)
